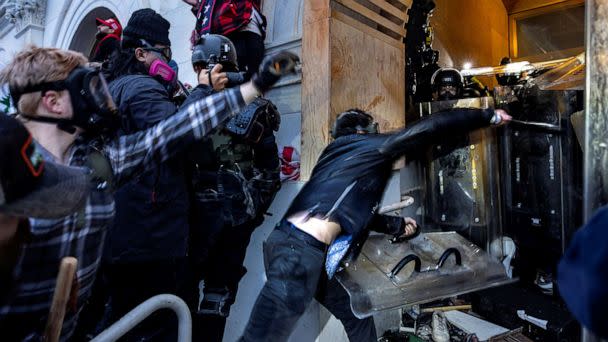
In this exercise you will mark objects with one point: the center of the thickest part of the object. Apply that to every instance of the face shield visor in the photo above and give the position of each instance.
(99, 94)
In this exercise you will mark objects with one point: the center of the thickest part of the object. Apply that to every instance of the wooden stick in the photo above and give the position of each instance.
(67, 270)
(407, 201)
(448, 308)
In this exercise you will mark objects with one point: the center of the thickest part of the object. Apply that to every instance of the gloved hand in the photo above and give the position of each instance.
(274, 67)
(500, 117)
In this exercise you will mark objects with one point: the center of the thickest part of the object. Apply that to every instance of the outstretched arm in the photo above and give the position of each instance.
(132, 154)
(435, 128)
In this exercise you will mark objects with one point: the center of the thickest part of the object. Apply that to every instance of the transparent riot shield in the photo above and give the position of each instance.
(462, 182)
(431, 266)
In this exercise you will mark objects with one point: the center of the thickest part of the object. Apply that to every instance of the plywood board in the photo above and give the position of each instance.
(345, 66)
(315, 83)
(367, 73)
(407, 3)
(390, 9)
(373, 16)
(364, 28)
(315, 10)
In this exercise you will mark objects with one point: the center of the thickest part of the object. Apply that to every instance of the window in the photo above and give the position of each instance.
(549, 32)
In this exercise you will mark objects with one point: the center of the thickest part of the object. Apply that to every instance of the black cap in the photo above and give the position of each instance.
(31, 187)
(149, 25)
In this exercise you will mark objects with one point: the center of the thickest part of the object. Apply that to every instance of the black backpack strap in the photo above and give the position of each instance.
(101, 169)
(102, 177)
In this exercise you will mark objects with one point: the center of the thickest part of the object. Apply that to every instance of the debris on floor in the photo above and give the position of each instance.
(473, 325)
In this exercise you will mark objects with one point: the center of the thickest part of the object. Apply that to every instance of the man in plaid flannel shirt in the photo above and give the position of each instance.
(49, 114)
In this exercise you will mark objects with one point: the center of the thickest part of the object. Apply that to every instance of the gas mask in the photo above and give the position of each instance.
(447, 92)
(447, 84)
(163, 72)
(93, 107)
(160, 69)
(174, 86)
(372, 128)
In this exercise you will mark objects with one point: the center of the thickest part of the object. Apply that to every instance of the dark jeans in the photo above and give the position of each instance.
(249, 51)
(131, 284)
(295, 275)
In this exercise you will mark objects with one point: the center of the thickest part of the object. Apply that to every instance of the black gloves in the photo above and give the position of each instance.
(273, 67)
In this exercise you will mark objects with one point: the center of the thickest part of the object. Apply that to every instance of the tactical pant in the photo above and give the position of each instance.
(221, 231)
(295, 275)
(221, 272)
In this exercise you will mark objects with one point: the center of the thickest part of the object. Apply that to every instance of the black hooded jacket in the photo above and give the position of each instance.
(348, 181)
(151, 221)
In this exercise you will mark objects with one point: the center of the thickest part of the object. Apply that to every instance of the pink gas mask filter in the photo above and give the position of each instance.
(162, 69)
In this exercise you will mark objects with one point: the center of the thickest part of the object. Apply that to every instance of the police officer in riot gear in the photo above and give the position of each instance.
(509, 78)
(235, 178)
(447, 84)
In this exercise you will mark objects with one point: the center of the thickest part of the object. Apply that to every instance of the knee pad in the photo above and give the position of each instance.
(216, 302)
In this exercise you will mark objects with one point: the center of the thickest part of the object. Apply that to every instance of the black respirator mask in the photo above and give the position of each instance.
(371, 128)
(93, 107)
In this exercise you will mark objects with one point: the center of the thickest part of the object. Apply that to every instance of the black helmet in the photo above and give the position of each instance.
(444, 77)
(509, 79)
(215, 49)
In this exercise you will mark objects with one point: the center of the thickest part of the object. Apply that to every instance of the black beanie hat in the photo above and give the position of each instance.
(149, 25)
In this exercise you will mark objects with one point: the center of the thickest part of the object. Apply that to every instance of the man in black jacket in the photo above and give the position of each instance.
(335, 210)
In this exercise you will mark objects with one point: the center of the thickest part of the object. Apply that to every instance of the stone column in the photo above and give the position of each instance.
(28, 16)
(596, 118)
(596, 106)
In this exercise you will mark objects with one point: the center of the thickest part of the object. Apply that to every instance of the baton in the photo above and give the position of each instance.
(543, 125)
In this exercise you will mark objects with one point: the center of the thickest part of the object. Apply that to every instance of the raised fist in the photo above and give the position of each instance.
(274, 67)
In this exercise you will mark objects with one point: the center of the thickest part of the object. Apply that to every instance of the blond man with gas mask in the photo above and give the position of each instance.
(68, 110)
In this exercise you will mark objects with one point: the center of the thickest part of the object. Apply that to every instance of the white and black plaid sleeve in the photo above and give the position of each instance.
(132, 154)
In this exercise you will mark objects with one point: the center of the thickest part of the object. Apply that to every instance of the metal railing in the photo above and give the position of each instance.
(145, 309)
